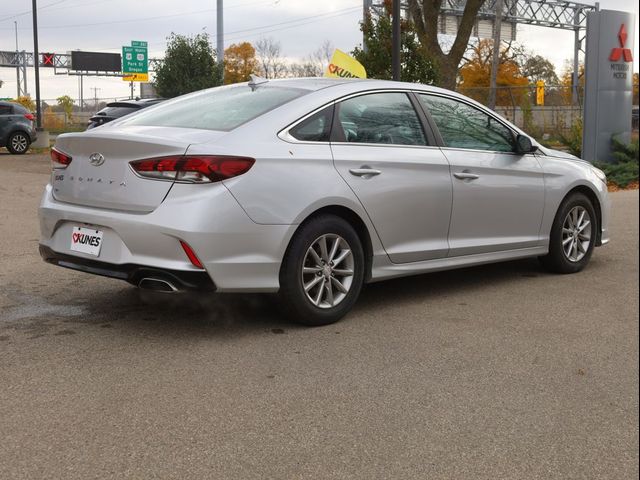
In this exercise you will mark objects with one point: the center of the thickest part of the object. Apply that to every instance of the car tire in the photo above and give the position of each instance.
(575, 224)
(320, 280)
(18, 143)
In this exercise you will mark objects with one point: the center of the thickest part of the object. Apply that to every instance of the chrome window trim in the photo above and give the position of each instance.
(388, 145)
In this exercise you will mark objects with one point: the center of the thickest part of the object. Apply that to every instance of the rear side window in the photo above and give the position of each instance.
(5, 110)
(387, 118)
(223, 108)
(316, 128)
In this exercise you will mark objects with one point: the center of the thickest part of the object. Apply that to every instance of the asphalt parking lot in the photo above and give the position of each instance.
(493, 372)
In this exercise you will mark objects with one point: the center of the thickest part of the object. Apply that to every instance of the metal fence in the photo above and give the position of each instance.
(560, 110)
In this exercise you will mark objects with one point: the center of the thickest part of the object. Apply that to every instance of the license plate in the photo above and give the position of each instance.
(86, 240)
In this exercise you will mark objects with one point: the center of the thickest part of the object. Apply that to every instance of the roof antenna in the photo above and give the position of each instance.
(256, 80)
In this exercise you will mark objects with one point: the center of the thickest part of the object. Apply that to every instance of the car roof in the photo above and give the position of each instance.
(356, 84)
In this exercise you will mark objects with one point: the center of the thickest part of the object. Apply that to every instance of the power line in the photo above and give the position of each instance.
(260, 30)
(28, 12)
(207, 10)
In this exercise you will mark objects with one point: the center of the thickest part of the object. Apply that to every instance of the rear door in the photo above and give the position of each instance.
(382, 151)
(498, 195)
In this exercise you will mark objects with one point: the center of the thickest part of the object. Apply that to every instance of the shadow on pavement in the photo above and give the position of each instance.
(237, 314)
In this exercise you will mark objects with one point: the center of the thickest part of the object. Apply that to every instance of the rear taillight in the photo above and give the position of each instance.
(59, 159)
(30, 116)
(193, 169)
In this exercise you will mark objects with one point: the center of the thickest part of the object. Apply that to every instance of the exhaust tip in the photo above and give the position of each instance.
(157, 285)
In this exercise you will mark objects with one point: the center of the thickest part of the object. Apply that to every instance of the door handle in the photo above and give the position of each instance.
(364, 172)
(466, 176)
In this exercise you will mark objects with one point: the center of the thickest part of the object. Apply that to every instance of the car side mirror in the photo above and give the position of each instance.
(524, 145)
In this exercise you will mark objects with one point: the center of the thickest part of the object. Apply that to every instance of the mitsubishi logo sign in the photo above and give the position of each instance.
(621, 51)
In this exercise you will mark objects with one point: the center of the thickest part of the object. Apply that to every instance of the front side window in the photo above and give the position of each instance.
(386, 118)
(316, 128)
(222, 108)
(464, 126)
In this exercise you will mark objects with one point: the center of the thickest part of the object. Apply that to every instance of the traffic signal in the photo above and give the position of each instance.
(48, 60)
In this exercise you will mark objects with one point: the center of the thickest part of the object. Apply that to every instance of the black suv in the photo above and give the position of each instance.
(17, 129)
(116, 110)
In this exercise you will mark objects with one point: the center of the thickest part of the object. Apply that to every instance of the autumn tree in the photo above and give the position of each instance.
(635, 88)
(415, 64)
(65, 102)
(239, 62)
(189, 65)
(26, 101)
(536, 67)
(270, 61)
(566, 82)
(476, 75)
(425, 14)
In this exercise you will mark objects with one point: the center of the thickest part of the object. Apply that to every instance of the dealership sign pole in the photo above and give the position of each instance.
(608, 83)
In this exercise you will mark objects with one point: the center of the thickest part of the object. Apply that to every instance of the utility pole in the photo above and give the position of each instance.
(366, 11)
(15, 24)
(575, 75)
(220, 37)
(395, 41)
(36, 64)
(95, 97)
(495, 62)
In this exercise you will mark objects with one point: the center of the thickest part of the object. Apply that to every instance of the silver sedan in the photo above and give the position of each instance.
(311, 188)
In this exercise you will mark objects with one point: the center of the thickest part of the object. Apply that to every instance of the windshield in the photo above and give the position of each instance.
(222, 108)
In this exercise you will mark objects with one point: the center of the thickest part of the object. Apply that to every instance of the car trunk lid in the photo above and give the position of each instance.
(99, 174)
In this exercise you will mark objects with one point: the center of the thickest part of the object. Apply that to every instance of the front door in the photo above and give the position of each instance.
(498, 195)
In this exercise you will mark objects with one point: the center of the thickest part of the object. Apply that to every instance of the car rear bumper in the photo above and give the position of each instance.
(134, 274)
(238, 255)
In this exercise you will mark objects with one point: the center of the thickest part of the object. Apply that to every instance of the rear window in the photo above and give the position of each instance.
(223, 108)
(117, 112)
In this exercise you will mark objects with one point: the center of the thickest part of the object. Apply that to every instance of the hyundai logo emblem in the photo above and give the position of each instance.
(96, 159)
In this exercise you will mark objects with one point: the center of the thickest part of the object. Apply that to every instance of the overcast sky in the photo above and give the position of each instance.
(299, 25)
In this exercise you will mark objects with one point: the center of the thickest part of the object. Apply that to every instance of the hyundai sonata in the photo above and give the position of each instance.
(311, 188)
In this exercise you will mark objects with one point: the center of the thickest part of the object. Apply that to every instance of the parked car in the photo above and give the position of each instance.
(119, 109)
(311, 188)
(17, 127)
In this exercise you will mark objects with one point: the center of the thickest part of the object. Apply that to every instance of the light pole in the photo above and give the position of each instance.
(395, 41)
(220, 37)
(495, 61)
(36, 64)
(15, 24)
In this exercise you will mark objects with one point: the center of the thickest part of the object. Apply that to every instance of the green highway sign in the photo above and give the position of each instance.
(135, 62)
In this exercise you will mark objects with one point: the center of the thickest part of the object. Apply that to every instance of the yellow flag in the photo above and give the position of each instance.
(344, 66)
(540, 92)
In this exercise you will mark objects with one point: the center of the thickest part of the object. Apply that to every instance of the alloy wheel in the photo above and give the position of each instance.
(576, 234)
(327, 271)
(19, 143)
